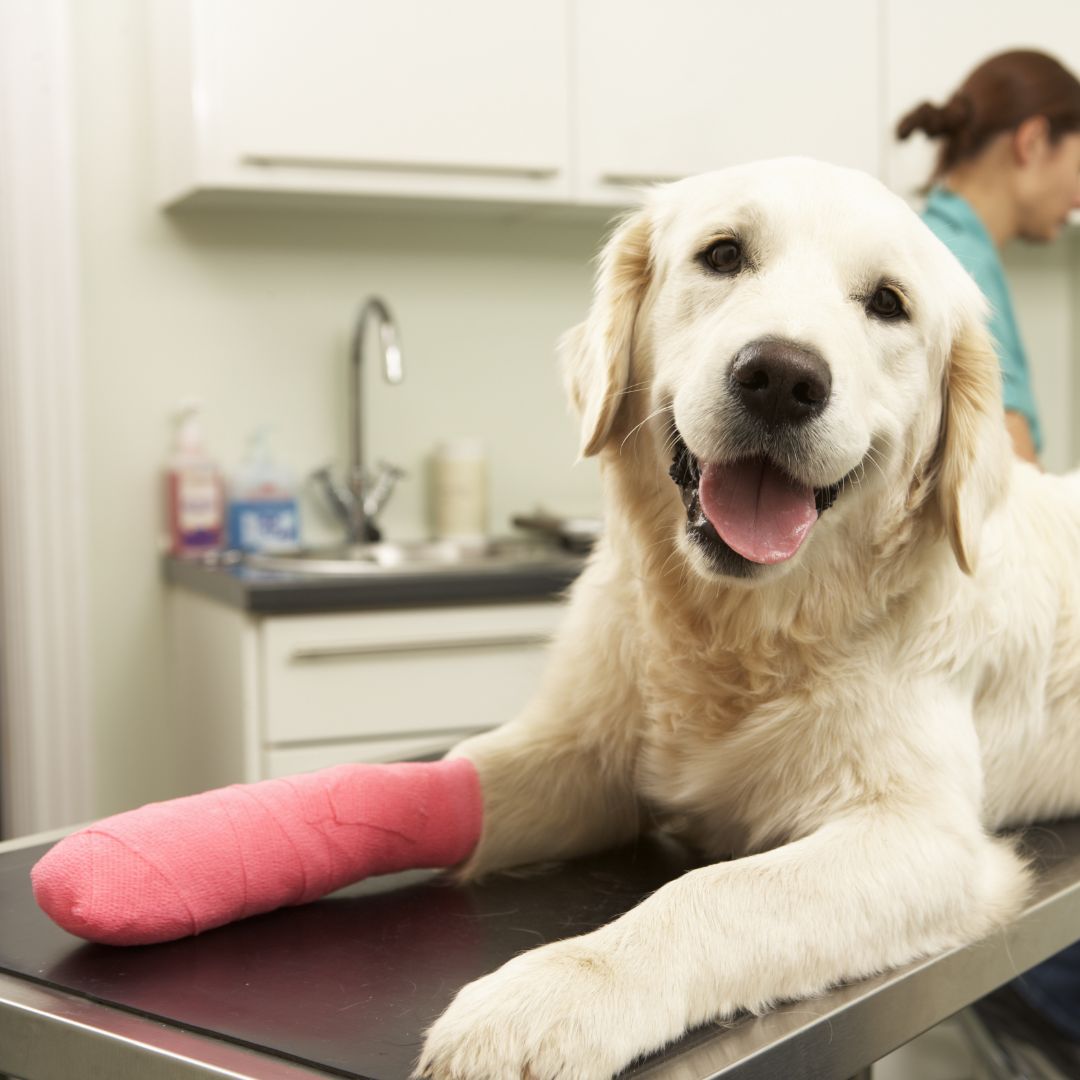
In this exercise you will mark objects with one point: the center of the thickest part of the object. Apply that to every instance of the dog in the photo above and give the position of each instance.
(831, 635)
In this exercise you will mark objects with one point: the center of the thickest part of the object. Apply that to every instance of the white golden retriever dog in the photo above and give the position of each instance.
(831, 635)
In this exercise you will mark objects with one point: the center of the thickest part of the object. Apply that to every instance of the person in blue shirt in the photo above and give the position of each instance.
(1008, 168)
(954, 220)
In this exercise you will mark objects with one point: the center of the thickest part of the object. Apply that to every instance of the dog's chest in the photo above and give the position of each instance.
(724, 757)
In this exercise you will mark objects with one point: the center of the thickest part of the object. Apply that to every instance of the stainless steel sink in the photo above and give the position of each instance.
(417, 556)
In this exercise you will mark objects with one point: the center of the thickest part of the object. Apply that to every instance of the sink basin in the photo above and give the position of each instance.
(415, 556)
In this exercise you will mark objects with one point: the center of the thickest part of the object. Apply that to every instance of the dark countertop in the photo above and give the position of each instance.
(267, 592)
(347, 985)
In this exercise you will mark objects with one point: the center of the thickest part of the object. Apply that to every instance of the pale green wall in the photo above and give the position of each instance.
(251, 311)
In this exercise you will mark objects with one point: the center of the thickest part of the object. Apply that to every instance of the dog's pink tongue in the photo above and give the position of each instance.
(757, 510)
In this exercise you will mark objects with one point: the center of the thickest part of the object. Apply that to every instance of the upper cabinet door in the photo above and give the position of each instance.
(930, 47)
(667, 90)
(462, 99)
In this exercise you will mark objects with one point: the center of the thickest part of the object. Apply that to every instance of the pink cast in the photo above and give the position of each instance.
(176, 868)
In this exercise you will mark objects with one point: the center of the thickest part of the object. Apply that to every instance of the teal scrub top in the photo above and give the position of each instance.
(955, 223)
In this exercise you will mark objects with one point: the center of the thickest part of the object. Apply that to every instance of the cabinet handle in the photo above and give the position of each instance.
(527, 172)
(636, 179)
(382, 648)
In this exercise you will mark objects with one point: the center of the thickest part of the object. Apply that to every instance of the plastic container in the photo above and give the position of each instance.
(459, 491)
(194, 492)
(263, 512)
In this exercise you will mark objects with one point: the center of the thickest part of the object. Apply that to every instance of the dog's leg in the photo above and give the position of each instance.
(901, 868)
(558, 781)
(545, 797)
(863, 894)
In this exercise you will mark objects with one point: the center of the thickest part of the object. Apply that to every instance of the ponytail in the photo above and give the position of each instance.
(999, 95)
(936, 120)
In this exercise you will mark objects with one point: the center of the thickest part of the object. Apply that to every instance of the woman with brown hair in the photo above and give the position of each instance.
(1008, 168)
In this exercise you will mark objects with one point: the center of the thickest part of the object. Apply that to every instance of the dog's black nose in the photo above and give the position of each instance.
(780, 382)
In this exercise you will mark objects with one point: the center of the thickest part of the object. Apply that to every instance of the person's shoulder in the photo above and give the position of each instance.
(951, 216)
(954, 223)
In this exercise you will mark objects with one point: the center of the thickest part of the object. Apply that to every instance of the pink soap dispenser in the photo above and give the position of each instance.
(194, 490)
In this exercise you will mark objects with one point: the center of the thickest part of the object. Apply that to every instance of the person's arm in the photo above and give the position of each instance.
(1020, 408)
(1020, 432)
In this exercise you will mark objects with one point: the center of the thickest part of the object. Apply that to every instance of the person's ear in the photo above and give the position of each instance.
(1031, 140)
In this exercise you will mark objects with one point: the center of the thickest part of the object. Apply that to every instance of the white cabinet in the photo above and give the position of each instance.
(540, 101)
(400, 672)
(259, 697)
(930, 47)
(668, 90)
(415, 97)
(554, 101)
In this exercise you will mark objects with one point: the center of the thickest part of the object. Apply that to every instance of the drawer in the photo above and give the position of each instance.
(392, 674)
(286, 761)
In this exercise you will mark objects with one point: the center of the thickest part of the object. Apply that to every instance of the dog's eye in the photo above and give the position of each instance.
(886, 303)
(725, 257)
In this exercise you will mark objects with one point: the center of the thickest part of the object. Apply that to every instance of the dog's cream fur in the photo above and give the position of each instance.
(843, 731)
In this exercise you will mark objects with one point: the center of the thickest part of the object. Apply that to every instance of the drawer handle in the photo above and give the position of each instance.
(335, 652)
(527, 172)
(636, 179)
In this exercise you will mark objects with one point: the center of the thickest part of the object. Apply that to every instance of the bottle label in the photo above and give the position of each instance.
(198, 503)
(264, 525)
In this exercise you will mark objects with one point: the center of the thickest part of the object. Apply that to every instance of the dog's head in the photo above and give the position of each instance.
(798, 349)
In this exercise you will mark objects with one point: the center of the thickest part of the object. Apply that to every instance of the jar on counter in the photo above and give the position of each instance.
(459, 495)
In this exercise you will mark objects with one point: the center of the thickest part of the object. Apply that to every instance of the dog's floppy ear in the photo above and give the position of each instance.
(596, 354)
(975, 452)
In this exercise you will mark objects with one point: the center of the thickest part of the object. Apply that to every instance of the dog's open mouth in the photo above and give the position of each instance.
(750, 508)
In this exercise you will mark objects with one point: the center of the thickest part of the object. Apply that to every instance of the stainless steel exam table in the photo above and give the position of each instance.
(345, 987)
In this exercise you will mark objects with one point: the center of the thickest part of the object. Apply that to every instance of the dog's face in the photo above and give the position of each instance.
(804, 341)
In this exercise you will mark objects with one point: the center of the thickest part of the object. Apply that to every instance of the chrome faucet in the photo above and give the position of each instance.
(360, 500)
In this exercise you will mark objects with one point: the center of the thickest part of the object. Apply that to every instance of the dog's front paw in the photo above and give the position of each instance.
(561, 1012)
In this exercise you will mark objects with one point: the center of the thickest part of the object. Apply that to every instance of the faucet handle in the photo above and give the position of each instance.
(337, 495)
(377, 493)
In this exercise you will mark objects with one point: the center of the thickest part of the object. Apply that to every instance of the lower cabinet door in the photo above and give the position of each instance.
(413, 674)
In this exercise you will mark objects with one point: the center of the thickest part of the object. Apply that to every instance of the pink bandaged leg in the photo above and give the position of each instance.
(176, 868)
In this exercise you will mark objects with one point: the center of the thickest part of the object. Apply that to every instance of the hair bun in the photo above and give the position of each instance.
(936, 120)
(957, 113)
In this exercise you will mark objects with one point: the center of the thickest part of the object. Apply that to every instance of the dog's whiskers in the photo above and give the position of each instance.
(636, 427)
(626, 391)
(872, 457)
